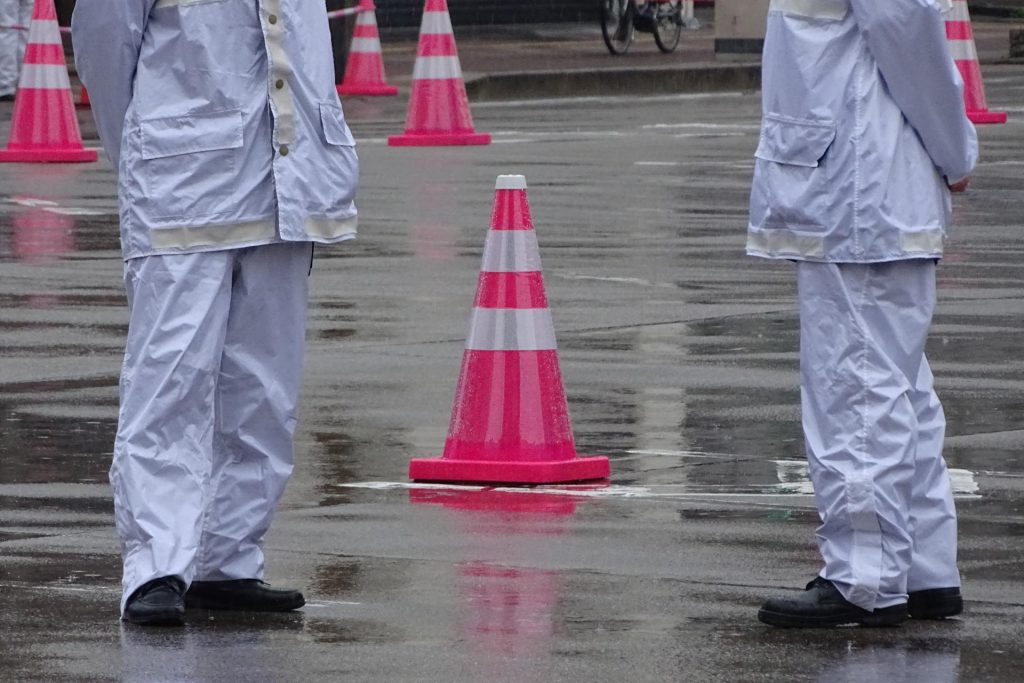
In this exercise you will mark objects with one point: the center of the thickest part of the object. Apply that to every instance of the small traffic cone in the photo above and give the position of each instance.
(44, 126)
(510, 421)
(83, 98)
(364, 69)
(438, 106)
(960, 36)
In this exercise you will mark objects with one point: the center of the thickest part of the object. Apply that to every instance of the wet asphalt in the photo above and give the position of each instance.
(679, 360)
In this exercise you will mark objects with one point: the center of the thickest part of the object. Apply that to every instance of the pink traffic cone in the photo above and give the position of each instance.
(960, 35)
(438, 106)
(44, 126)
(364, 69)
(510, 422)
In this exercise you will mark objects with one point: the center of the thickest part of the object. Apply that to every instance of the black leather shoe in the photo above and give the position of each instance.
(245, 595)
(157, 603)
(822, 606)
(935, 603)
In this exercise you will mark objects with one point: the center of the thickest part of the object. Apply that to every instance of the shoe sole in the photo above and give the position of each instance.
(886, 617)
(168, 618)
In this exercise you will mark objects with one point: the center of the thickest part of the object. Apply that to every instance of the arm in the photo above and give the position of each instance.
(907, 38)
(107, 38)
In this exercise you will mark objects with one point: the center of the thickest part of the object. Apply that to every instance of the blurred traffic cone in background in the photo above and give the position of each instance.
(44, 126)
(438, 106)
(83, 98)
(960, 35)
(364, 68)
(510, 422)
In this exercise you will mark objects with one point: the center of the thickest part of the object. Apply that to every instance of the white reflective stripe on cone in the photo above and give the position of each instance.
(511, 329)
(44, 32)
(44, 77)
(435, 23)
(365, 45)
(511, 251)
(445, 67)
(963, 50)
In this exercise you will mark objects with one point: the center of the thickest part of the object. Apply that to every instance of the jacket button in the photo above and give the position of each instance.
(283, 150)
(279, 83)
(272, 18)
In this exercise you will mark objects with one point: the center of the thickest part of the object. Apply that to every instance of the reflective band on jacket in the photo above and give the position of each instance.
(813, 9)
(785, 243)
(511, 329)
(511, 251)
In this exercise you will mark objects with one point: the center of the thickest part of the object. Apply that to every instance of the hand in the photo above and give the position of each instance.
(960, 185)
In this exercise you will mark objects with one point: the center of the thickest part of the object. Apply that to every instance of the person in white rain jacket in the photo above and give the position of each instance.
(863, 137)
(13, 13)
(233, 158)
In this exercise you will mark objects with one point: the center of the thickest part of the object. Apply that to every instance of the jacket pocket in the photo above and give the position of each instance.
(799, 142)
(792, 186)
(188, 167)
(336, 131)
(174, 135)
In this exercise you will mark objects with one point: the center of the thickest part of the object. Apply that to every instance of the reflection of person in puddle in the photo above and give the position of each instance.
(863, 138)
(233, 158)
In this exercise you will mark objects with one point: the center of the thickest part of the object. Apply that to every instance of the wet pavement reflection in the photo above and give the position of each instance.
(679, 359)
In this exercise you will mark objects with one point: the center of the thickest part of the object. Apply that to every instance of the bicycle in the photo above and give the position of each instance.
(620, 19)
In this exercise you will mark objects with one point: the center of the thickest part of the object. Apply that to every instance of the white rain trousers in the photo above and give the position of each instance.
(12, 42)
(209, 391)
(874, 429)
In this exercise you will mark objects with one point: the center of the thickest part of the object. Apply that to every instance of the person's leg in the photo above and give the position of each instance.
(257, 401)
(863, 329)
(934, 580)
(178, 309)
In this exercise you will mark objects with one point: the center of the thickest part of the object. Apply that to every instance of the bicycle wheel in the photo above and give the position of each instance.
(617, 25)
(668, 25)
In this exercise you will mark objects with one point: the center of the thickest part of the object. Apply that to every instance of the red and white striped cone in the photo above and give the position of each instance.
(510, 420)
(364, 68)
(438, 106)
(960, 36)
(44, 125)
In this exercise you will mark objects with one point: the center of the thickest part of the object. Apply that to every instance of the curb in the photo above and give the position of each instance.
(705, 78)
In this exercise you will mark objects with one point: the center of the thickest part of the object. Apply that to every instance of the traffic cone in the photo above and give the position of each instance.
(510, 421)
(44, 126)
(364, 68)
(438, 106)
(83, 98)
(960, 35)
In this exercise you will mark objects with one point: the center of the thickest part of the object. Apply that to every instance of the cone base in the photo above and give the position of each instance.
(987, 116)
(438, 139)
(495, 472)
(28, 156)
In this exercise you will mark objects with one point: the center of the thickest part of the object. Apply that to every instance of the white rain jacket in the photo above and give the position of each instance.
(864, 125)
(222, 119)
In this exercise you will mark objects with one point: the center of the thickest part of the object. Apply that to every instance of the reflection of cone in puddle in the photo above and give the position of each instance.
(40, 235)
(510, 421)
(508, 604)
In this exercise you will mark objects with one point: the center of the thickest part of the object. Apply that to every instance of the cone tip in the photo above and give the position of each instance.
(510, 182)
